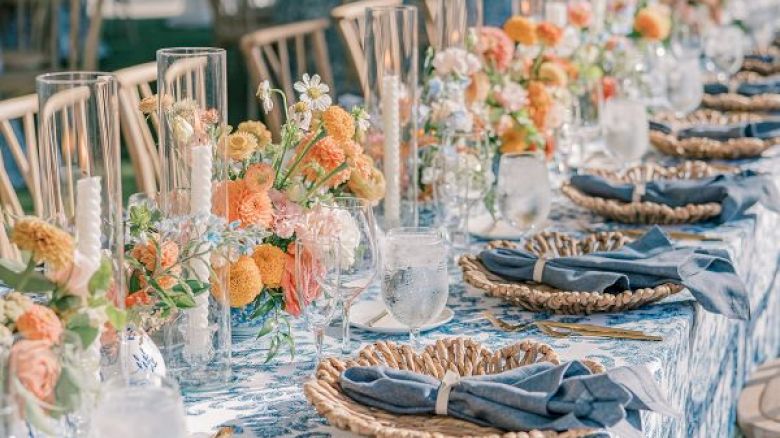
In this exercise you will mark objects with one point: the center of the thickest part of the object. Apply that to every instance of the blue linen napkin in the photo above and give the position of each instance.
(537, 396)
(650, 261)
(763, 130)
(735, 192)
(745, 88)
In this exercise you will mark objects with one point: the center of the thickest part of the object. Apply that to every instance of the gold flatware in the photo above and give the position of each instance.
(376, 319)
(564, 329)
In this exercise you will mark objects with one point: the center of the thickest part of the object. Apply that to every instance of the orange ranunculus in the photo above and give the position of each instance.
(146, 254)
(653, 23)
(39, 323)
(521, 30)
(140, 298)
(36, 366)
(580, 14)
(552, 73)
(259, 177)
(539, 104)
(549, 34)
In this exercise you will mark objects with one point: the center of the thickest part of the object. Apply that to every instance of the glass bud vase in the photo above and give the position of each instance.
(192, 103)
(454, 19)
(391, 59)
(81, 193)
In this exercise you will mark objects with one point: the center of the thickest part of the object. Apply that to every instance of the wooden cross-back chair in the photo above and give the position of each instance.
(351, 19)
(23, 149)
(431, 8)
(268, 56)
(139, 132)
(7, 249)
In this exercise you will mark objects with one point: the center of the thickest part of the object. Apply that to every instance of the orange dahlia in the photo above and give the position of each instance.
(521, 30)
(539, 104)
(259, 177)
(324, 157)
(338, 123)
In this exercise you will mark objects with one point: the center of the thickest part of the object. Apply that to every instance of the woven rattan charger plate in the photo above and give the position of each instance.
(464, 356)
(707, 148)
(542, 298)
(649, 212)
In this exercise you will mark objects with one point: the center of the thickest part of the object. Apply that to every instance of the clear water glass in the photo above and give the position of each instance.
(524, 192)
(143, 407)
(464, 179)
(724, 50)
(317, 281)
(626, 129)
(415, 285)
(358, 271)
(685, 86)
(687, 40)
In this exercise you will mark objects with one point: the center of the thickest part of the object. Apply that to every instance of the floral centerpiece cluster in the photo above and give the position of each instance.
(52, 322)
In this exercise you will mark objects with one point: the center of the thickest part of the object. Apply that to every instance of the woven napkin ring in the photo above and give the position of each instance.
(639, 191)
(451, 378)
(539, 269)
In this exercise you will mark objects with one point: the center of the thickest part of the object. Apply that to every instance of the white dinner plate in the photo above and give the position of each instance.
(483, 227)
(364, 311)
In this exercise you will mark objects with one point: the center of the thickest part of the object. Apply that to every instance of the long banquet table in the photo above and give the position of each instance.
(701, 363)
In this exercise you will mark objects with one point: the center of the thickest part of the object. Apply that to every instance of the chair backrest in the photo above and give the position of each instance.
(20, 111)
(431, 11)
(350, 20)
(139, 133)
(7, 249)
(268, 56)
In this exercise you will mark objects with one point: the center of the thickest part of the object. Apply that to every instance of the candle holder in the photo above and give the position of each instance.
(192, 103)
(81, 193)
(454, 20)
(390, 43)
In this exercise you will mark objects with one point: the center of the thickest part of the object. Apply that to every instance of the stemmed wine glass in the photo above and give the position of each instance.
(724, 50)
(415, 286)
(317, 281)
(525, 207)
(685, 86)
(359, 254)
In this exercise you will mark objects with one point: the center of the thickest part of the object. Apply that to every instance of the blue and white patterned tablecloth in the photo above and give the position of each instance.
(701, 362)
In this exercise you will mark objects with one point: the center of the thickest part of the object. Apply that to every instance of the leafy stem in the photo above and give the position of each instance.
(301, 155)
(25, 277)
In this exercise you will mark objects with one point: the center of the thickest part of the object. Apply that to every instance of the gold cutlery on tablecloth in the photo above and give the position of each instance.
(564, 329)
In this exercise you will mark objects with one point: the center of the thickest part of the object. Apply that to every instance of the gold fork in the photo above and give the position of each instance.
(564, 329)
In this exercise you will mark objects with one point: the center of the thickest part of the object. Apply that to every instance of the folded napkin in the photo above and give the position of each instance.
(537, 396)
(764, 130)
(746, 88)
(648, 262)
(734, 192)
(759, 57)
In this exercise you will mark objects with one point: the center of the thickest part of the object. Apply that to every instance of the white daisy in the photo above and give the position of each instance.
(264, 94)
(300, 113)
(361, 118)
(313, 92)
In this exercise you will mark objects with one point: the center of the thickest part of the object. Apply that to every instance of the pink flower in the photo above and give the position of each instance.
(310, 271)
(287, 214)
(75, 277)
(495, 46)
(36, 367)
(512, 96)
(580, 14)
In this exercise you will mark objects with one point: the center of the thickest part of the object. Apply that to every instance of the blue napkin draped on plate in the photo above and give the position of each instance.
(734, 192)
(537, 396)
(763, 130)
(745, 88)
(650, 261)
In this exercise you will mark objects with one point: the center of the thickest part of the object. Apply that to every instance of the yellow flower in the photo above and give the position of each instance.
(554, 74)
(47, 243)
(521, 30)
(653, 23)
(370, 187)
(270, 261)
(259, 130)
(338, 123)
(240, 145)
(245, 282)
(513, 140)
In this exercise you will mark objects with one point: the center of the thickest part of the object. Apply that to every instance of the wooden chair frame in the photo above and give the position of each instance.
(22, 108)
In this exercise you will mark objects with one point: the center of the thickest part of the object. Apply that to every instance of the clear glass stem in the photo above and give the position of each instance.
(319, 339)
(345, 341)
(414, 338)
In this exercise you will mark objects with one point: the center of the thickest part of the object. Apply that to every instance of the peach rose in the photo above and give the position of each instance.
(254, 208)
(36, 367)
(146, 253)
(580, 14)
(39, 323)
(259, 177)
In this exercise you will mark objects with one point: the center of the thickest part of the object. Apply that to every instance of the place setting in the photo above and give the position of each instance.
(521, 219)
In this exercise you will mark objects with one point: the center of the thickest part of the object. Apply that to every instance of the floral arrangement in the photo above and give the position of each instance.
(279, 187)
(652, 23)
(51, 323)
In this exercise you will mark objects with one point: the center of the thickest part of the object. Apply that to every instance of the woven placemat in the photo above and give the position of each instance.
(650, 212)
(542, 298)
(738, 102)
(464, 356)
(706, 148)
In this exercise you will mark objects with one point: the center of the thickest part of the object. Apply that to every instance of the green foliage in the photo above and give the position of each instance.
(101, 279)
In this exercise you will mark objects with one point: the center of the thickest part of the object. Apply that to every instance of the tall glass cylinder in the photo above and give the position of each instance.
(454, 19)
(192, 102)
(81, 192)
(391, 99)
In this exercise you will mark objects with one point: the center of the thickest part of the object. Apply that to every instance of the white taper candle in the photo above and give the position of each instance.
(391, 127)
(88, 235)
(198, 340)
